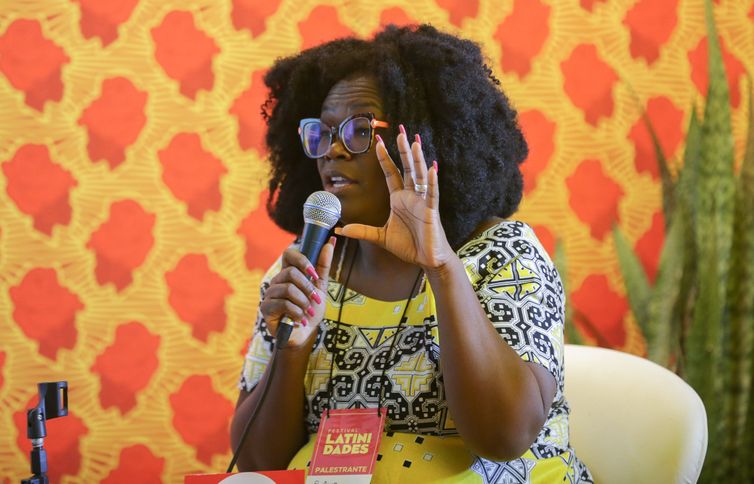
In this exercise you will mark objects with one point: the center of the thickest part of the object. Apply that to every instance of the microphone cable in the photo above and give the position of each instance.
(255, 411)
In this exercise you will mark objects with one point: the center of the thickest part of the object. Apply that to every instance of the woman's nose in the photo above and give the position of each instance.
(337, 151)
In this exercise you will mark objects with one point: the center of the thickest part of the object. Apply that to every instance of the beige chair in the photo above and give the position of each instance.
(633, 421)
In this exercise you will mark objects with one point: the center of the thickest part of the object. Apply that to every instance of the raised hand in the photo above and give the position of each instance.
(413, 231)
(298, 292)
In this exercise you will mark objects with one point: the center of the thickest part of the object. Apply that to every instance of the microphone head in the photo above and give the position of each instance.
(322, 208)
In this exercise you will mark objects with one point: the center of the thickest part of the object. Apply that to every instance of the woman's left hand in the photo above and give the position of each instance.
(413, 231)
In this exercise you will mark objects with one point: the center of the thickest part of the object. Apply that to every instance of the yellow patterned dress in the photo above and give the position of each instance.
(521, 292)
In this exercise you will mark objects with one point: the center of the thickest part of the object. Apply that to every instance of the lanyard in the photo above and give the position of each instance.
(392, 343)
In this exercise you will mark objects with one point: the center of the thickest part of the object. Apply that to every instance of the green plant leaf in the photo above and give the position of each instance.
(664, 328)
(739, 349)
(703, 349)
(635, 280)
(688, 177)
(687, 203)
(668, 185)
(716, 181)
(714, 217)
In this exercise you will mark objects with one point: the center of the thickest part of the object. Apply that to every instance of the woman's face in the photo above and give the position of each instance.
(356, 179)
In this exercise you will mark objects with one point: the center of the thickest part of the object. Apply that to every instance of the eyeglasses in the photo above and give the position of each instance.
(356, 132)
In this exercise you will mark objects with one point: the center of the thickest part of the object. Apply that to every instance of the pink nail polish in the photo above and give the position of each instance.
(402, 129)
(312, 273)
(316, 297)
(379, 138)
(434, 163)
(304, 322)
(310, 311)
(418, 138)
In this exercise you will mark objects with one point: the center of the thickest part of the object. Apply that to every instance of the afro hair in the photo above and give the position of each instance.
(435, 84)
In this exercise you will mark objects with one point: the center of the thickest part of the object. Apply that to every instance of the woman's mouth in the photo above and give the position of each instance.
(337, 183)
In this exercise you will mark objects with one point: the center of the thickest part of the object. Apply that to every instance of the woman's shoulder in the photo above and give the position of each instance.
(503, 242)
(499, 231)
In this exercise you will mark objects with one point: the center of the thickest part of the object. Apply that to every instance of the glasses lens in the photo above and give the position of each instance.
(316, 139)
(357, 134)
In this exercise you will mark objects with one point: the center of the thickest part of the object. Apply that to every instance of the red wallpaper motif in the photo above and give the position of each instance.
(102, 19)
(597, 207)
(201, 415)
(39, 187)
(522, 34)
(46, 311)
(185, 52)
(32, 63)
(121, 243)
(197, 294)
(133, 188)
(136, 460)
(192, 174)
(126, 366)
(650, 24)
(114, 120)
(589, 82)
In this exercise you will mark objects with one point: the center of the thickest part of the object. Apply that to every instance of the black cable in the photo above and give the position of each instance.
(344, 288)
(401, 323)
(254, 412)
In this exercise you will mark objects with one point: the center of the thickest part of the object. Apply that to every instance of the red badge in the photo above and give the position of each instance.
(346, 446)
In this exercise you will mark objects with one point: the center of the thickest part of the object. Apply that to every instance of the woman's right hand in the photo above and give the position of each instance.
(298, 291)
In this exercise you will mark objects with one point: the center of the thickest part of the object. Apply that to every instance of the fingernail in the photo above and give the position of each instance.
(310, 311)
(418, 138)
(312, 273)
(316, 297)
(304, 322)
(333, 239)
(402, 129)
(379, 138)
(434, 163)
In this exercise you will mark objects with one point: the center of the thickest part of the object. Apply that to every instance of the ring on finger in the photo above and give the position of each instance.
(420, 187)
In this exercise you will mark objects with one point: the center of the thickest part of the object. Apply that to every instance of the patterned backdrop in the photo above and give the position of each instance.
(133, 234)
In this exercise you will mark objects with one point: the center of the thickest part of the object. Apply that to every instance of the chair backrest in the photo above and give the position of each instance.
(633, 421)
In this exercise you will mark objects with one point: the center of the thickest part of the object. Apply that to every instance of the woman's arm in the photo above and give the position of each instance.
(498, 401)
(278, 431)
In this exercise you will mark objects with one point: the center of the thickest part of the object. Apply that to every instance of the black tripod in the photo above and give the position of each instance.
(53, 403)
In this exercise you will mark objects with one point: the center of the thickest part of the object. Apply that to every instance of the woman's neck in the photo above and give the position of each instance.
(372, 257)
(372, 267)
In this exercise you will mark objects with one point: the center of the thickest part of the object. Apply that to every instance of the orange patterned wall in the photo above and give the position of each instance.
(133, 238)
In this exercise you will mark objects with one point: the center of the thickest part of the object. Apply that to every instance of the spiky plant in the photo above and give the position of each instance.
(698, 317)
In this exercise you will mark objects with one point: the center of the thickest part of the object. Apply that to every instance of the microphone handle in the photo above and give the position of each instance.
(312, 240)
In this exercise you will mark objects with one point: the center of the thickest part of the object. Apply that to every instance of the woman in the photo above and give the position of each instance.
(428, 303)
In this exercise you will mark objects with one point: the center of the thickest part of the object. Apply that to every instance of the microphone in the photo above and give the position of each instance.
(321, 213)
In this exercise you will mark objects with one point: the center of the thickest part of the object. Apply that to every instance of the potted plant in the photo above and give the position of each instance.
(698, 316)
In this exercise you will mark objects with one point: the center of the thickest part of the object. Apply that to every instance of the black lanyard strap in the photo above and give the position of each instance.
(330, 394)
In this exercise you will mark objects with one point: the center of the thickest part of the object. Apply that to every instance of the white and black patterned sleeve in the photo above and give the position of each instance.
(520, 291)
